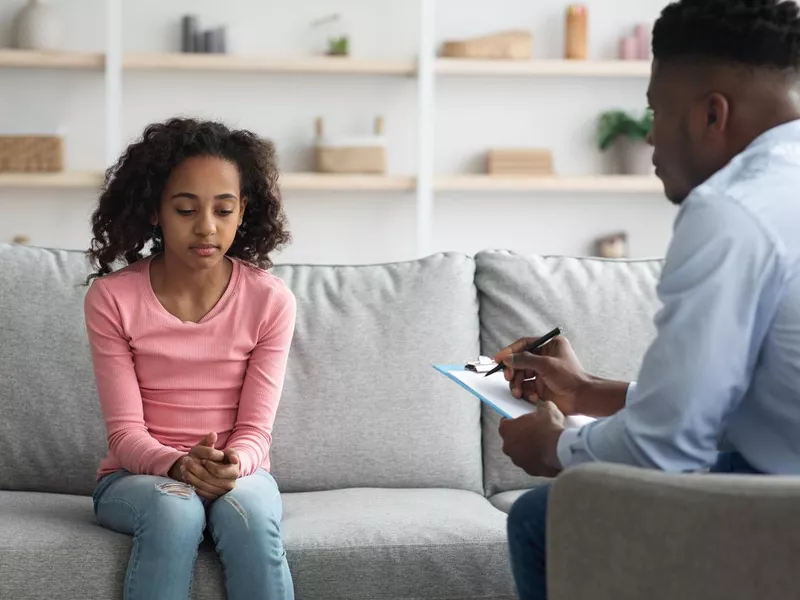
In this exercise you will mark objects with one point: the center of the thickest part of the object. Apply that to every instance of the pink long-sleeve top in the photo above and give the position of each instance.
(164, 383)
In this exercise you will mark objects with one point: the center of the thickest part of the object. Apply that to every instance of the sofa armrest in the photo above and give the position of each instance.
(620, 533)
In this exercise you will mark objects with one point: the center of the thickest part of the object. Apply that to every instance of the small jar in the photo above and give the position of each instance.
(577, 34)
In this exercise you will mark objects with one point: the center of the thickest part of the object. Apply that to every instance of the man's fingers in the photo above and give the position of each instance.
(517, 384)
(516, 347)
(530, 362)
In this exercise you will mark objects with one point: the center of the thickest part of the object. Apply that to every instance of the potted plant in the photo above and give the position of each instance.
(626, 136)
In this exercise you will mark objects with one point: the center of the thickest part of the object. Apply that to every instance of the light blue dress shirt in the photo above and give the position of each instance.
(725, 364)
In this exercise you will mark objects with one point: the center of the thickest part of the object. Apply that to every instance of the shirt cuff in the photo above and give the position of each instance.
(630, 393)
(564, 449)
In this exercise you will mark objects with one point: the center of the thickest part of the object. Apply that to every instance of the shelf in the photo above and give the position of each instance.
(330, 182)
(588, 184)
(51, 180)
(557, 68)
(226, 62)
(51, 60)
(288, 182)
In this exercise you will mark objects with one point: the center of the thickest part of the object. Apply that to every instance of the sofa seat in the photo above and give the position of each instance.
(505, 500)
(354, 543)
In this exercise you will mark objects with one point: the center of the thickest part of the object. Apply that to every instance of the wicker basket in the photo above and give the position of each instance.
(510, 45)
(366, 155)
(31, 154)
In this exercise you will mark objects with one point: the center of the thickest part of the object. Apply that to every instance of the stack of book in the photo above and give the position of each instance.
(521, 162)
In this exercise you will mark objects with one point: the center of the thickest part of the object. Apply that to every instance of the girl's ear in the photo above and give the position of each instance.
(241, 212)
(154, 220)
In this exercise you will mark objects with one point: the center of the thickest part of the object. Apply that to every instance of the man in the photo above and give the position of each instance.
(725, 364)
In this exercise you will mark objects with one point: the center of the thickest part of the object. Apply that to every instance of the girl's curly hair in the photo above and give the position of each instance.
(121, 224)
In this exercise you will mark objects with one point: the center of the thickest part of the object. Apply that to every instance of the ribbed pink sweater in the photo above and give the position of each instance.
(164, 383)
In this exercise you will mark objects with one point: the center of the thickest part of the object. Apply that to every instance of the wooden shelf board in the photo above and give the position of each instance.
(51, 60)
(227, 62)
(564, 68)
(64, 179)
(334, 182)
(586, 184)
(288, 181)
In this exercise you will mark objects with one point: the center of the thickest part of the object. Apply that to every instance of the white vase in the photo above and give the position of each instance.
(633, 157)
(36, 27)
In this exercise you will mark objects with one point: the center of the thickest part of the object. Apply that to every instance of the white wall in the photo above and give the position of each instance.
(472, 115)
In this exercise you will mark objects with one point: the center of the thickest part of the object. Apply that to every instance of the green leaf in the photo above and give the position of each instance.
(618, 123)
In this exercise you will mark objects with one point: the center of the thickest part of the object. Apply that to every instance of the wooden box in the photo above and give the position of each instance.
(31, 154)
(523, 162)
(365, 155)
(510, 45)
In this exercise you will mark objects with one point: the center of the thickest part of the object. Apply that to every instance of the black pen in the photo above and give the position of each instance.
(532, 347)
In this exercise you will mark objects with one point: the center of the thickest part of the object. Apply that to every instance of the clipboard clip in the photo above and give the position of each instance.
(484, 364)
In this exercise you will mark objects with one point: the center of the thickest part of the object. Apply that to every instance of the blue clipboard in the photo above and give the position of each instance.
(494, 391)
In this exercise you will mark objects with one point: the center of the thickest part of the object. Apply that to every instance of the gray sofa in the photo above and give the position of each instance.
(394, 484)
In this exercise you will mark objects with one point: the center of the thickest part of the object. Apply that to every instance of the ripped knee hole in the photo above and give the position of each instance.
(177, 489)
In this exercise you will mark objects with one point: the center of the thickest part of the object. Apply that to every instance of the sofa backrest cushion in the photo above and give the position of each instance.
(52, 435)
(606, 308)
(362, 406)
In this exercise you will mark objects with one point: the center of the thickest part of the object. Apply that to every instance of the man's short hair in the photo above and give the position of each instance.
(757, 33)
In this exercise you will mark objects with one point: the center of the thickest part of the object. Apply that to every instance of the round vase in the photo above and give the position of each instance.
(37, 27)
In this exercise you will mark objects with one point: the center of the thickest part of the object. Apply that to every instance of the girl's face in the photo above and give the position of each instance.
(201, 210)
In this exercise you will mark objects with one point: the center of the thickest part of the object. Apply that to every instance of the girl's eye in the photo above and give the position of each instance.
(185, 212)
(225, 213)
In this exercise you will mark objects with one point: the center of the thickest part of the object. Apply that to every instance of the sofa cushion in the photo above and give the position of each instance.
(347, 544)
(505, 500)
(52, 435)
(362, 405)
(394, 544)
(606, 307)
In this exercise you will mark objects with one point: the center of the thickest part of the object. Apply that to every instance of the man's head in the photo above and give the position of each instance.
(724, 72)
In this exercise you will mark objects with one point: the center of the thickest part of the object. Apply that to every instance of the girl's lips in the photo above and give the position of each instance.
(204, 250)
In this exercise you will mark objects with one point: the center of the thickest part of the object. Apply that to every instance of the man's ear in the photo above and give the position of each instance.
(718, 112)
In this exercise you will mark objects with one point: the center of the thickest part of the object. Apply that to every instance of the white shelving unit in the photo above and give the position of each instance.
(426, 69)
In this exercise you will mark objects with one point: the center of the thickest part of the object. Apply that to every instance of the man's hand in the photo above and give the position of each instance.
(203, 468)
(559, 376)
(531, 442)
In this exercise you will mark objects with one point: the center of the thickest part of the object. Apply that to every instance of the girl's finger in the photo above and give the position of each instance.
(204, 452)
(199, 482)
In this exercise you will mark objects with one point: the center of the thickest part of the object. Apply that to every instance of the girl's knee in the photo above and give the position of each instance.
(248, 510)
(176, 509)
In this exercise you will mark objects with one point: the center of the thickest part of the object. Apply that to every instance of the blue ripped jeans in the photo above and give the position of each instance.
(167, 521)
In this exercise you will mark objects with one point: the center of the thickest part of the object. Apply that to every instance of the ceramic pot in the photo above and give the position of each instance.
(633, 157)
(37, 27)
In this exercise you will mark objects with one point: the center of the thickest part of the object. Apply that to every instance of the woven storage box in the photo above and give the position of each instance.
(530, 162)
(352, 159)
(510, 45)
(31, 154)
(351, 155)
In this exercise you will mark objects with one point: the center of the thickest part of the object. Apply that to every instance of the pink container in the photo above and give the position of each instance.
(642, 35)
(629, 48)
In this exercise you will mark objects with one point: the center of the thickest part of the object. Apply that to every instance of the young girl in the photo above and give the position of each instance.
(189, 345)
